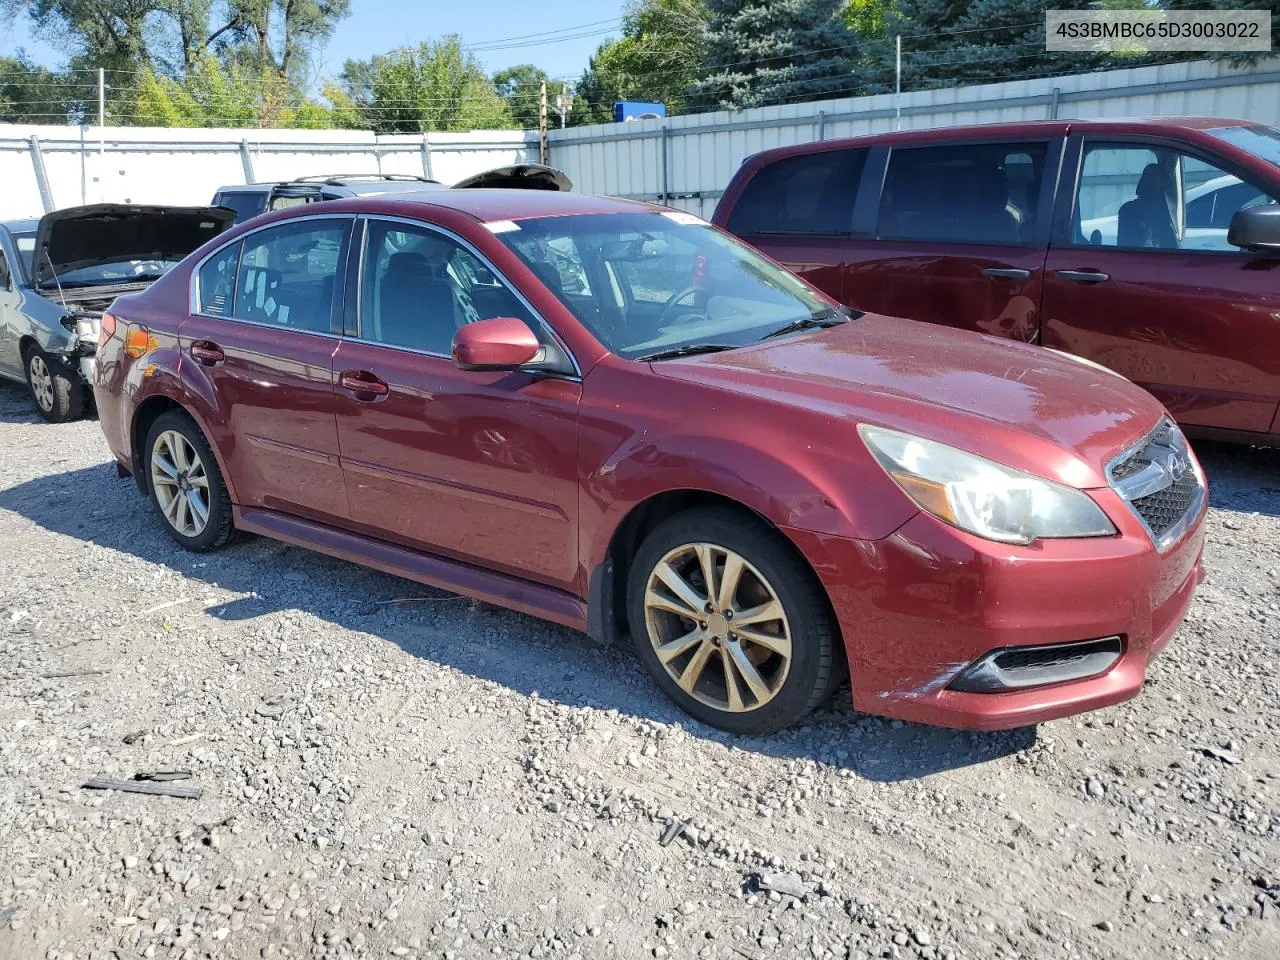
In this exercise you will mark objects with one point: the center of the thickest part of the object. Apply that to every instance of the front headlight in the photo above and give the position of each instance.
(982, 497)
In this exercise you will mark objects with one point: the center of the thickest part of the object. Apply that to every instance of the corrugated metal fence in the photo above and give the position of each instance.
(685, 161)
(45, 168)
(688, 161)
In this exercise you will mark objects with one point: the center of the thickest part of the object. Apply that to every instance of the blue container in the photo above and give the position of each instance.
(637, 110)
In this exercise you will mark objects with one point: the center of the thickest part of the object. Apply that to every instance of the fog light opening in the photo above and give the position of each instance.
(1017, 668)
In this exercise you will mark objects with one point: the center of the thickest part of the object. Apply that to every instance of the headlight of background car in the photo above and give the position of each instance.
(982, 497)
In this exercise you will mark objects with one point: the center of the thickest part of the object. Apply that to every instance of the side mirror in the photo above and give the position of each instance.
(501, 343)
(1256, 228)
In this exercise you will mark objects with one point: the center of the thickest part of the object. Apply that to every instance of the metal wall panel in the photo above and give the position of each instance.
(186, 166)
(704, 150)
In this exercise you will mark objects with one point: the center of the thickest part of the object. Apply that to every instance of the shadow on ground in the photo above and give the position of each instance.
(517, 651)
(520, 652)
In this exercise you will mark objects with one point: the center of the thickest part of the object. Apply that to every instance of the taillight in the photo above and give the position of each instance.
(107, 329)
(138, 341)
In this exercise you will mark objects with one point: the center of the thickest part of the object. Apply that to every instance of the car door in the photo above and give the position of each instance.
(474, 465)
(266, 312)
(958, 237)
(1141, 279)
(10, 308)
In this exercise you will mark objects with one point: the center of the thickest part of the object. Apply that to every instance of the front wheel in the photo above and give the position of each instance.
(731, 622)
(58, 393)
(186, 484)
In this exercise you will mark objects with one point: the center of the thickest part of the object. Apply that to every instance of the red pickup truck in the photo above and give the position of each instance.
(1149, 246)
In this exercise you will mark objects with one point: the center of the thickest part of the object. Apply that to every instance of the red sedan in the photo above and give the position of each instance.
(623, 420)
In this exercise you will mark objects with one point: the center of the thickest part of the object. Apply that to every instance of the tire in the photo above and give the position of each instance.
(57, 392)
(174, 486)
(783, 689)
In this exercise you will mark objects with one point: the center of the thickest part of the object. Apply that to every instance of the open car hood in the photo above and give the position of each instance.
(520, 176)
(113, 232)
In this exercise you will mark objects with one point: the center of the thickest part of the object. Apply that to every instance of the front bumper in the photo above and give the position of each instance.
(919, 606)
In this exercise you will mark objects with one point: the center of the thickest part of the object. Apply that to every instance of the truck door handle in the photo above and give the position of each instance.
(1083, 276)
(365, 385)
(1007, 273)
(206, 353)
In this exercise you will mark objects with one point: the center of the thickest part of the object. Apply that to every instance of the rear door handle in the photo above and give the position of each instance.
(1083, 276)
(365, 385)
(1007, 273)
(207, 353)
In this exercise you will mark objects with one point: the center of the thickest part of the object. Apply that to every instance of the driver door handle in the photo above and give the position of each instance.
(1083, 276)
(206, 353)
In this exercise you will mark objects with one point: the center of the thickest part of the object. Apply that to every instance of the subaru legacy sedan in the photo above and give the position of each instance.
(618, 418)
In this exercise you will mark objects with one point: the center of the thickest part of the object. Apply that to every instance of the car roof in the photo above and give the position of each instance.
(1170, 126)
(492, 204)
(22, 226)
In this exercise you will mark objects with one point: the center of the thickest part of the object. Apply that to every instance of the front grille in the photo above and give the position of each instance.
(1159, 479)
(1163, 509)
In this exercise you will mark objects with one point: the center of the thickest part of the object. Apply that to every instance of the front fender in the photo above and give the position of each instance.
(789, 488)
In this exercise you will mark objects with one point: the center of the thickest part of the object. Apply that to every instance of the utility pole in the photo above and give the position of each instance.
(542, 123)
(564, 103)
(897, 97)
(102, 97)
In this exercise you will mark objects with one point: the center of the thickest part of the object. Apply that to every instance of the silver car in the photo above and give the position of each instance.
(60, 273)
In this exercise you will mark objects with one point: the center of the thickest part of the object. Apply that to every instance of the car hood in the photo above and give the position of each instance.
(520, 176)
(112, 232)
(1027, 407)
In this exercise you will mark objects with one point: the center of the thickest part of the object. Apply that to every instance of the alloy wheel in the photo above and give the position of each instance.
(41, 381)
(181, 483)
(718, 627)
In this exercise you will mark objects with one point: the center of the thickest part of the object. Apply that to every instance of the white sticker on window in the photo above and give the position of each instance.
(502, 226)
(283, 315)
(684, 219)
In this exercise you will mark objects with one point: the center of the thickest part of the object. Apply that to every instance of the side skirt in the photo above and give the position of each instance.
(496, 588)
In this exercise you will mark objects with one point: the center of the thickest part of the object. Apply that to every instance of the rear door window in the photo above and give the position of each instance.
(808, 194)
(984, 193)
(287, 274)
(216, 282)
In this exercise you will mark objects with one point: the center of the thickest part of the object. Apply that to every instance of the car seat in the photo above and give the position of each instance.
(1147, 219)
(416, 307)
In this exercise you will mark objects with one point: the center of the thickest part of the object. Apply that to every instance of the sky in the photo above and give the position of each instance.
(503, 32)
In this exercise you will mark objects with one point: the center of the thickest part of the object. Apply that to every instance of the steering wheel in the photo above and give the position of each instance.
(674, 300)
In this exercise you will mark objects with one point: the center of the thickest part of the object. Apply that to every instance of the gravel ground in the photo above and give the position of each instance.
(441, 778)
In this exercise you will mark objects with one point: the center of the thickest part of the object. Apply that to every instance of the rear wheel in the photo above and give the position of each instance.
(186, 484)
(58, 393)
(731, 622)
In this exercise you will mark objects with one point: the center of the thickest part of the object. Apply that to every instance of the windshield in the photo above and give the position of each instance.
(1257, 139)
(123, 271)
(651, 282)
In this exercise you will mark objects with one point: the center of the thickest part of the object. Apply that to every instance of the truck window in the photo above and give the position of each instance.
(807, 194)
(246, 203)
(1138, 197)
(963, 193)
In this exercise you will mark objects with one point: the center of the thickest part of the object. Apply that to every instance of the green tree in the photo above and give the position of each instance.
(763, 52)
(212, 94)
(520, 87)
(32, 94)
(656, 59)
(434, 86)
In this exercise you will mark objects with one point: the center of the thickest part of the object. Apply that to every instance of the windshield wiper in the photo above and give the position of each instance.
(687, 350)
(819, 318)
